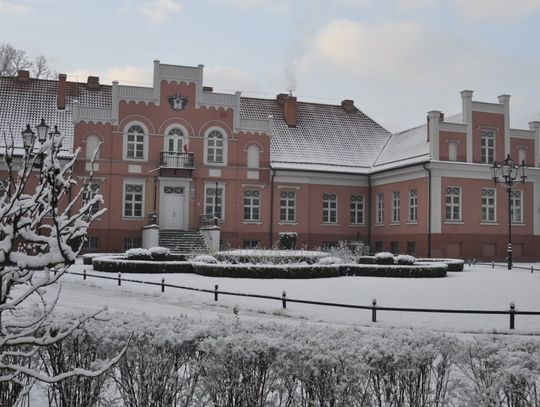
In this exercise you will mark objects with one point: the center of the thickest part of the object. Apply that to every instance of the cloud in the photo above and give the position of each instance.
(12, 8)
(407, 4)
(273, 5)
(126, 75)
(505, 10)
(159, 11)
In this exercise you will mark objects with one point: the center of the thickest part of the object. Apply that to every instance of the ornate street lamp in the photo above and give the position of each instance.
(29, 138)
(216, 204)
(509, 175)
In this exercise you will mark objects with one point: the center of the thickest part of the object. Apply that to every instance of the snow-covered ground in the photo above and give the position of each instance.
(477, 287)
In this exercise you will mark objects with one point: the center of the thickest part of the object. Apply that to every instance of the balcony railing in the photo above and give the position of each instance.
(176, 160)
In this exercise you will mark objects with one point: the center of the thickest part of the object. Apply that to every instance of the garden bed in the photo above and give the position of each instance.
(254, 256)
(453, 264)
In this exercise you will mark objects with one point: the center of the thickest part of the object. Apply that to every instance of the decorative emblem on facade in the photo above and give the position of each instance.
(177, 102)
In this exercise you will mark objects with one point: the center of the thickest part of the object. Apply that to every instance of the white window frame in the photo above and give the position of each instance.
(290, 205)
(330, 208)
(224, 147)
(488, 203)
(89, 149)
(168, 136)
(452, 200)
(357, 209)
(252, 203)
(522, 154)
(127, 127)
(516, 197)
(133, 182)
(413, 205)
(211, 186)
(396, 206)
(487, 152)
(379, 205)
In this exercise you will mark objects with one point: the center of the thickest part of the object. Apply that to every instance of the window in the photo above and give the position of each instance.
(132, 243)
(453, 204)
(133, 200)
(135, 142)
(516, 205)
(411, 248)
(487, 146)
(252, 244)
(452, 151)
(253, 153)
(215, 147)
(92, 146)
(91, 191)
(379, 202)
(175, 140)
(287, 206)
(357, 209)
(252, 205)
(378, 247)
(394, 247)
(91, 244)
(395, 207)
(329, 214)
(522, 155)
(488, 200)
(214, 200)
(413, 205)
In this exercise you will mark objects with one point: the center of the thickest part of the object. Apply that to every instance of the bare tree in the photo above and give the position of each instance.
(13, 59)
(44, 219)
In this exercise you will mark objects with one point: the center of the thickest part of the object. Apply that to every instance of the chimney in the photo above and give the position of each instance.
(281, 98)
(348, 105)
(93, 82)
(289, 111)
(23, 76)
(61, 98)
(441, 118)
(207, 89)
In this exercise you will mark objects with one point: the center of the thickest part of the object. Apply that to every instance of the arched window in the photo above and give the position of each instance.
(215, 147)
(253, 156)
(175, 140)
(135, 142)
(92, 144)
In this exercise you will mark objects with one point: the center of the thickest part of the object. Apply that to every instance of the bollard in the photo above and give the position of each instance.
(469, 262)
(493, 264)
(162, 285)
(216, 292)
(532, 269)
(119, 279)
(512, 315)
(84, 274)
(374, 310)
(284, 299)
(474, 262)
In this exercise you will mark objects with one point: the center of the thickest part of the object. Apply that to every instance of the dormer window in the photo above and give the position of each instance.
(487, 146)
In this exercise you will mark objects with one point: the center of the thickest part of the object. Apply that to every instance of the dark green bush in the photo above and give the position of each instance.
(366, 260)
(453, 264)
(117, 265)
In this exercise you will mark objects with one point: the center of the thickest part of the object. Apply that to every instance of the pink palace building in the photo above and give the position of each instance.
(177, 155)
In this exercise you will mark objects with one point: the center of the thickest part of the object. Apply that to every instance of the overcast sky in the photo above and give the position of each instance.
(397, 59)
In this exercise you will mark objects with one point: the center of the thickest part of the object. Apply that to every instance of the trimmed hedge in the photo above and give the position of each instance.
(121, 264)
(88, 257)
(453, 264)
(270, 256)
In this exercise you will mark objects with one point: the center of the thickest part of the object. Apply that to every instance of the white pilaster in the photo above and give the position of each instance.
(505, 101)
(157, 82)
(75, 114)
(114, 101)
(436, 196)
(199, 85)
(236, 113)
(536, 207)
(466, 114)
(434, 124)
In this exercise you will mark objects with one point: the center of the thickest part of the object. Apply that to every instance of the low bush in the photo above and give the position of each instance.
(205, 258)
(384, 258)
(330, 260)
(366, 260)
(138, 254)
(122, 265)
(270, 256)
(453, 264)
(405, 259)
(88, 257)
(160, 253)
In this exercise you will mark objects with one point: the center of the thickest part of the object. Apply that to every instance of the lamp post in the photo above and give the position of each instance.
(509, 175)
(29, 138)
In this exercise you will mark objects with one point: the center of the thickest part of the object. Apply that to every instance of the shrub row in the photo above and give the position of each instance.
(453, 264)
(255, 256)
(173, 362)
(121, 265)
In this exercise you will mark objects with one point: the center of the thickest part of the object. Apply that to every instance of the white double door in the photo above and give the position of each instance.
(173, 207)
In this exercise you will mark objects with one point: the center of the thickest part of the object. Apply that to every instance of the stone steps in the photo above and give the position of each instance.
(183, 241)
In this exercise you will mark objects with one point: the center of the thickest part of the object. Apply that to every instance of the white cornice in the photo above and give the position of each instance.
(398, 175)
(487, 107)
(321, 178)
(453, 127)
(521, 133)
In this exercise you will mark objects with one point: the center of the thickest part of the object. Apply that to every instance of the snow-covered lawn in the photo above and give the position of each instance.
(477, 287)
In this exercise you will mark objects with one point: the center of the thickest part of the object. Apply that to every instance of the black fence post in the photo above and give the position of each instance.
(216, 292)
(119, 279)
(374, 310)
(284, 299)
(532, 269)
(512, 315)
(162, 284)
(493, 264)
(84, 274)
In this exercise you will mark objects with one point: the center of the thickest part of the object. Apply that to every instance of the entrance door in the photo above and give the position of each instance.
(171, 213)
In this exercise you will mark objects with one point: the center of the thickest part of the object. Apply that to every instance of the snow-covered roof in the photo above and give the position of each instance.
(326, 137)
(23, 103)
(409, 145)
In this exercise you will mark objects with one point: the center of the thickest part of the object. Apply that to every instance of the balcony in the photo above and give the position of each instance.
(173, 160)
